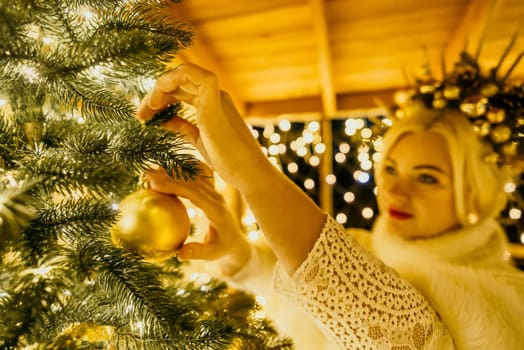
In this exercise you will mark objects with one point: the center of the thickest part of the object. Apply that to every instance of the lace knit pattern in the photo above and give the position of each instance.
(360, 301)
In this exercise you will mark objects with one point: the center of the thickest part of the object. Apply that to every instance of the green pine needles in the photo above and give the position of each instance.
(71, 75)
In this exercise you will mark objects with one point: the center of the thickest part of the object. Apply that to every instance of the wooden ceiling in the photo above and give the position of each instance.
(332, 56)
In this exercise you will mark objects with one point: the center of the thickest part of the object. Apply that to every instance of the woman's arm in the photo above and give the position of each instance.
(290, 220)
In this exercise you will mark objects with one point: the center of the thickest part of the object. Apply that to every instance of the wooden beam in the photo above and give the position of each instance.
(329, 101)
(307, 108)
(327, 91)
(469, 32)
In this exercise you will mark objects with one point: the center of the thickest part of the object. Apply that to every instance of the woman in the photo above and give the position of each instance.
(433, 274)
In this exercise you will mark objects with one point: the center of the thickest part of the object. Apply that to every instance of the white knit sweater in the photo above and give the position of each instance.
(455, 291)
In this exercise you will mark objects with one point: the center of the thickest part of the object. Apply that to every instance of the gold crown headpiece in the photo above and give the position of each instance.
(495, 106)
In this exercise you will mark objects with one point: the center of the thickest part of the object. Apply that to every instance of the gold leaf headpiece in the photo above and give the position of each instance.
(495, 106)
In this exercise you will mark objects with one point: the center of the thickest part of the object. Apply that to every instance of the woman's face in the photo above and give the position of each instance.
(415, 187)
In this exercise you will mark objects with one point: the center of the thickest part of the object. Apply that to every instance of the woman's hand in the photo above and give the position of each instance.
(222, 136)
(224, 240)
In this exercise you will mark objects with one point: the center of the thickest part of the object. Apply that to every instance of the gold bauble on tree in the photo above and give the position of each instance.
(151, 223)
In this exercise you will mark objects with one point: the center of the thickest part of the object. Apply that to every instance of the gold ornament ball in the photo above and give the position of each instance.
(153, 224)
(501, 134)
(489, 90)
(496, 115)
(451, 92)
(474, 106)
(482, 127)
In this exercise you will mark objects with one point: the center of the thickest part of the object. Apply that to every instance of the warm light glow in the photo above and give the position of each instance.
(401, 97)
(259, 315)
(292, 167)
(309, 184)
(313, 126)
(191, 212)
(33, 31)
(128, 222)
(274, 161)
(86, 13)
(340, 157)
(284, 125)
(220, 184)
(399, 113)
(274, 137)
(515, 213)
(510, 187)
(367, 213)
(366, 133)
(388, 122)
(273, 150)
(350, 131)
(363, 156)
(200, 277)
(97, 71)
(331, 179)
(308, 136)
(249, 220)
(349, 197)
(140, 327)
(253, 235)
(344, 147)
(302, 151)
(314, 161)
(320, 148)
(261, 300)
(366, 165)
(361, 176)
(341, 218)
(42, 271)
(29, 73)
(268, 130)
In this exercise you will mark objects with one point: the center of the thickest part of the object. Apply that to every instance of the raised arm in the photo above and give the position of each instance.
(290, 220)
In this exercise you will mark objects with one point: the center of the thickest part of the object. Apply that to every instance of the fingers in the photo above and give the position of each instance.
(187, 83)
(200, 192)
(212, 249)
(180, 125)
(197, 250)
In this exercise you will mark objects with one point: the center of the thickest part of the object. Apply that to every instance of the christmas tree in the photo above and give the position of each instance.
(72, 73)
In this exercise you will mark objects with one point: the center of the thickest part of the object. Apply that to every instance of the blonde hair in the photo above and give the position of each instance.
(478, 184)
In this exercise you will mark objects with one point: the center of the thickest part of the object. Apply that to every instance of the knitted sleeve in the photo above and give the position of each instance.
(359, 301)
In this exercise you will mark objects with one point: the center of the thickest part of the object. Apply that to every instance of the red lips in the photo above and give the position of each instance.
(397, 214)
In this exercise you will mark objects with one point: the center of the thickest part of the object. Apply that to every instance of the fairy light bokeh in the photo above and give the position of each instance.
(296, 148)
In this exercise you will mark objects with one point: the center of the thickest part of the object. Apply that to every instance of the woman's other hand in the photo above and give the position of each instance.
(224, 240)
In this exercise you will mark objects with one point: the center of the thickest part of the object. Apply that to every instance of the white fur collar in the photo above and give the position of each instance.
(479, 244)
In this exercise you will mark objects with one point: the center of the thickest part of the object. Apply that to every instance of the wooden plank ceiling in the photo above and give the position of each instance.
(331, 56)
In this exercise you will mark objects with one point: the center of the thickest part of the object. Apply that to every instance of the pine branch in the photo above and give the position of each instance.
(135, 290)
(29, 297)
(142, 148)
(69, 223)
(70, 177)
(16, 208)
(95, 103)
